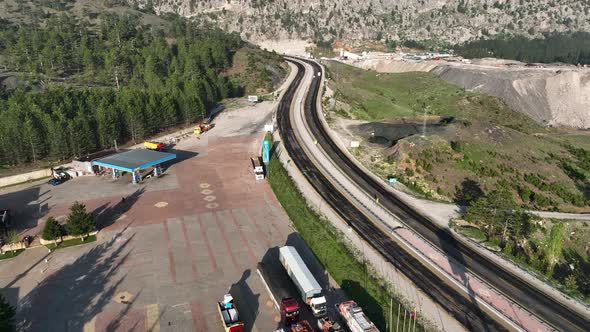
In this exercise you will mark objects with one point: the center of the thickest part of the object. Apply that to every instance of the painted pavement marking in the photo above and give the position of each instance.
(152, 323)
(208, 245)
(171, 265)
(189, 250)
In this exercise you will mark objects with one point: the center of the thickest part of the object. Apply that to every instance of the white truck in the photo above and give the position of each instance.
(258, 168)
(310, 290)
(355, 318)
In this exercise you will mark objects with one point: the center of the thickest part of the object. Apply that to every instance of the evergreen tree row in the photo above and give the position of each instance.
(572, 48)
(138, 80)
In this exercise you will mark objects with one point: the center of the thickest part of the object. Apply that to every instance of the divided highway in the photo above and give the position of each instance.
(518, 290)
(463, 309)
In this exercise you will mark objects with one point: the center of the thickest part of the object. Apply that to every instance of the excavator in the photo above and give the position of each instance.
(202, 127)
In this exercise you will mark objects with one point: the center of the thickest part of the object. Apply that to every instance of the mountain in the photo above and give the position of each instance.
(442, 21)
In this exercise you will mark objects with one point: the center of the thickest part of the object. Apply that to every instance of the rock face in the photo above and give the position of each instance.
(353, 20)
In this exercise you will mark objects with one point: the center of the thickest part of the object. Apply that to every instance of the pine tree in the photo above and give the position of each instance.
(7, 313)
(80, 223)
(52, 230)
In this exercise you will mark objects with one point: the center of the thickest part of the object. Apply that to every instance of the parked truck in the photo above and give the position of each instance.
(258, 168)
(157, 146)
(310, 290)
(354, 317)
(229, 315)
(289, 310)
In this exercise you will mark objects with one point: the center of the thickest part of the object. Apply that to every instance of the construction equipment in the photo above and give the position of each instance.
(355, 318)
(157, 146)
(328, 325)
(229, 315)
(202, 127)
(258, 168)
(311, 292)
(302, 326)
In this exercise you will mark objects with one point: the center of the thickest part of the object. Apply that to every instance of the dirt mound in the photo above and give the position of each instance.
(558, 97)
(397, 66)
(553, 95)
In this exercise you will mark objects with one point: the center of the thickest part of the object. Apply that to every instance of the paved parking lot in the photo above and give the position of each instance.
(164, 256)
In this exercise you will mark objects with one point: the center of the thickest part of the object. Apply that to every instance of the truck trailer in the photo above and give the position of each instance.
(354, 317)
(258, 168)
(229, 315)
(309, 288)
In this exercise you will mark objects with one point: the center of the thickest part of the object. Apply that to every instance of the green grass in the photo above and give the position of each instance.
(379, 96)
(498, 146)
(331, 250)
(71, 243)
(11, 254)
(473, 233)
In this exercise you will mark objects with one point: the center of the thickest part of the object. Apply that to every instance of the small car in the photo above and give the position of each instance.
(55, 182)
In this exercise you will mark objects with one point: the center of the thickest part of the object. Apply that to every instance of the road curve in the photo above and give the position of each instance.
(463, 309)
(521, 292)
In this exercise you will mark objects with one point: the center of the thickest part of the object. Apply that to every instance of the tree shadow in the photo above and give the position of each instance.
(309, 258)
(76, 293)
(106, 215)
(469, 191)
(247, 303)
(26, 207)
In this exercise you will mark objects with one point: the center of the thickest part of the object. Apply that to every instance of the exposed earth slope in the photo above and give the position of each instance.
(553, 95)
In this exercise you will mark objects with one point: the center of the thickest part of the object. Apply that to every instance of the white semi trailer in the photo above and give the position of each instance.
(310, 290)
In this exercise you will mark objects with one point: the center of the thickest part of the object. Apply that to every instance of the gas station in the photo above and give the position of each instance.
(134, 161)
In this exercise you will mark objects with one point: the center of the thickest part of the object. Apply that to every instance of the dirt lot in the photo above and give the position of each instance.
(167, 253)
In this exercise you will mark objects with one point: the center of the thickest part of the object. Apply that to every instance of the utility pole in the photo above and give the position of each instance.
(390, 313)
(424, 123)
(399, 310)
(404, 323)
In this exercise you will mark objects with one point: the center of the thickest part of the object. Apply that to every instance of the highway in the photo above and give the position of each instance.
(519, 291)
(462, 308)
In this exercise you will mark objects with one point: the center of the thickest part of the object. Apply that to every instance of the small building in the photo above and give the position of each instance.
(134, 161)
(83, 165)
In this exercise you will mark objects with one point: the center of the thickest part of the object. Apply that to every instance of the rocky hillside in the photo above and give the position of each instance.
(353, 20)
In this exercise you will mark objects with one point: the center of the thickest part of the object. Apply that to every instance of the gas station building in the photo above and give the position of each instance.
(133, 161)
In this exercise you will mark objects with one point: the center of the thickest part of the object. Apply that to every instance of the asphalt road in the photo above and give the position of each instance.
(462, 308)
(521, 292)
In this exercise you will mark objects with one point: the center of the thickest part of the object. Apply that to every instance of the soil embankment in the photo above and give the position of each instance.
(552, 95)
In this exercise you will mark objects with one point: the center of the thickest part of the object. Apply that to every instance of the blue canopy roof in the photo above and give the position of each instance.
(131, 160)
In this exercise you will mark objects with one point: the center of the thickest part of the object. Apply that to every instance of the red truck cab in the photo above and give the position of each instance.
(289, 310)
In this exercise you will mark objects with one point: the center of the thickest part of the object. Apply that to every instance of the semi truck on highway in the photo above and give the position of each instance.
(310, 290)
(354, 317)
(229, 315)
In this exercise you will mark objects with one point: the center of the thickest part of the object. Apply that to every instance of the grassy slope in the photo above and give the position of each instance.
(330, 249)
(497, 143)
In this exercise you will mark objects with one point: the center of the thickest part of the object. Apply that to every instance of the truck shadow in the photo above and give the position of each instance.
(248, 302)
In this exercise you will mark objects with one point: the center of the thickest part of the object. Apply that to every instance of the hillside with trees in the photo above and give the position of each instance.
(571, 48)
(86, 84)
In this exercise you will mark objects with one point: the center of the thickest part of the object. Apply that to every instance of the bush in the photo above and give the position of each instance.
(457, 146)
